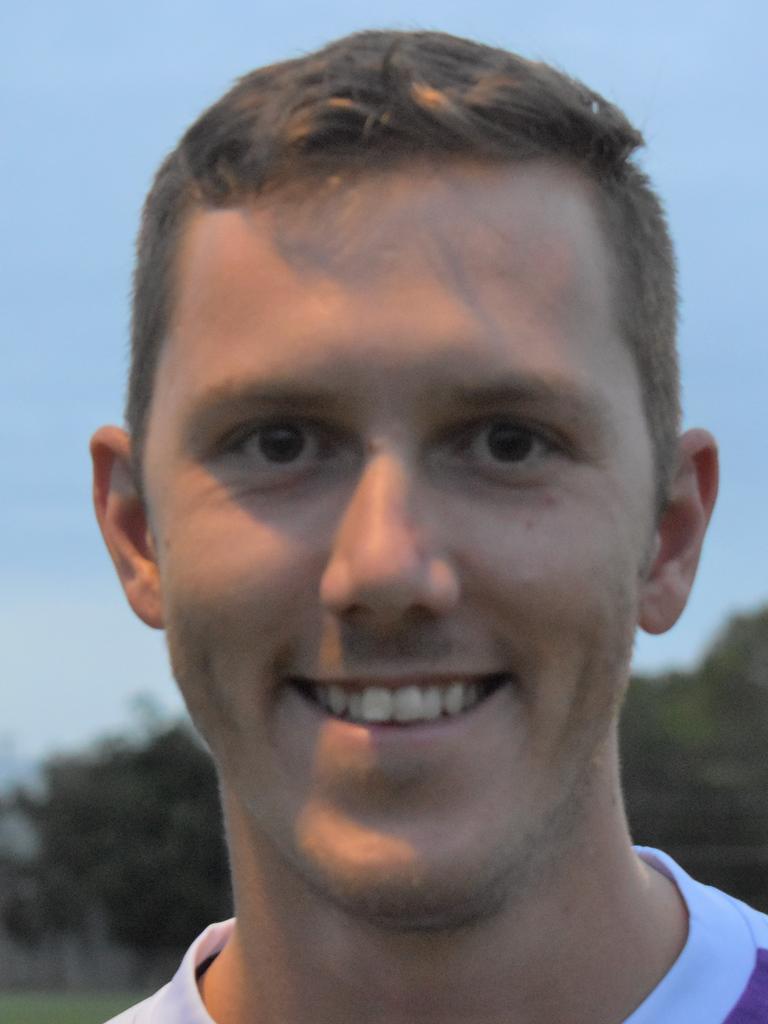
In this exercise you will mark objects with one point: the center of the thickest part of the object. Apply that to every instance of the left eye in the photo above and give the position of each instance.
(504, 442)
(509, 442)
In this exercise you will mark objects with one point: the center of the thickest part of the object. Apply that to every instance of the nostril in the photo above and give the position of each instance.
(336, 587)
(389, 589)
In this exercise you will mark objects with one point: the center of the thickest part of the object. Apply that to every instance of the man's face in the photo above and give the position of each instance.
(397, 463)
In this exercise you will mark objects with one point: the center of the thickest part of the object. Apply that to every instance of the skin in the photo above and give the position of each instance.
(478, 869)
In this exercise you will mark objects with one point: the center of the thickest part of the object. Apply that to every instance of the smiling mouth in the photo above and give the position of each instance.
(401, 705)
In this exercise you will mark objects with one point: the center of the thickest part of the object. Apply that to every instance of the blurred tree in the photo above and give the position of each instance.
(695, 761)
(130, 830)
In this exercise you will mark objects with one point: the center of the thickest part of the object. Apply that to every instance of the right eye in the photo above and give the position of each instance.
(281, 452)
(278, 442)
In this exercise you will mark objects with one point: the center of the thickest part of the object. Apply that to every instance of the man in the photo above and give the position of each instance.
(402, 476)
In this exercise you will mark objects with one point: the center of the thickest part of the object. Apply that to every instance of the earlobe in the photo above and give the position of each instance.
(122, 517)
(680, 533)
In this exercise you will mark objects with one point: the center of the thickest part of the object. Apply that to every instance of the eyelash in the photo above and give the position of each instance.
(540, 441)
(235, 443)
(458, 441)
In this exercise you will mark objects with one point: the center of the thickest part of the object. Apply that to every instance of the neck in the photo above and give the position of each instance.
(596, 920)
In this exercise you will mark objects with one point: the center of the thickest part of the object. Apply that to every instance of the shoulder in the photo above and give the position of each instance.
(137, 1014)
(710, 904)
(722, 973)
(179, 1001)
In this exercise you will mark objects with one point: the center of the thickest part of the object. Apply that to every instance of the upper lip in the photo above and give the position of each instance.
(396, 682)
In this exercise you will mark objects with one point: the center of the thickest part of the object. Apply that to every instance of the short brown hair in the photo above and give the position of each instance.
(378, 98)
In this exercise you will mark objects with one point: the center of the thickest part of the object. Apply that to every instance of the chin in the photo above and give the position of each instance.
(407, 902)
(393, 884)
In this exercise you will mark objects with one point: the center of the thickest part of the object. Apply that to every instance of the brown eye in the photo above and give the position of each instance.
(281, 442)
(510, 443)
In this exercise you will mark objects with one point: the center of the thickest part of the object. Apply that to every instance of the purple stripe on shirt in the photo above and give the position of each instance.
(752, 1007)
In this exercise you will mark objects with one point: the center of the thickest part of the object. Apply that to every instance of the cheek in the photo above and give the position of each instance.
(230, 599)
(226, 565)
(561, 587)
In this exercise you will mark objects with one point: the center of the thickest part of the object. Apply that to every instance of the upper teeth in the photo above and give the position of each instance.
(404, 704)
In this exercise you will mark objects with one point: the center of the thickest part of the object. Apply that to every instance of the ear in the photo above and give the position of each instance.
(122, 516)
(680, 533)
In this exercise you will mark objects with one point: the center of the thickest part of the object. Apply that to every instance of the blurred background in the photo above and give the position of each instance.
(93, 95)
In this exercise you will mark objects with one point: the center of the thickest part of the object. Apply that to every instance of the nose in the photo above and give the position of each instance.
(382, 564)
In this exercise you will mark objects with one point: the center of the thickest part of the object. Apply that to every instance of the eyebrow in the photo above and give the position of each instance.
(516, 389)
(232, 398)
(555, 394)
(235, 395)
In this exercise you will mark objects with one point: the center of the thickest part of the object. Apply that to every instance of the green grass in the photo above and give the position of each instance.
(47, 1008)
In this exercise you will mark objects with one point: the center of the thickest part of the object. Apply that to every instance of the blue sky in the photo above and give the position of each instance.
(92, 95)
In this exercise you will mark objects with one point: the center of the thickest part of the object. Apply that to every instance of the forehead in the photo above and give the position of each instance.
(367, 224)
(418, 252)
(396, 304)
(535, 215)
(393, 290)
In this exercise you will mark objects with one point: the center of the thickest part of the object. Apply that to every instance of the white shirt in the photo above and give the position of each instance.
(720, 977)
